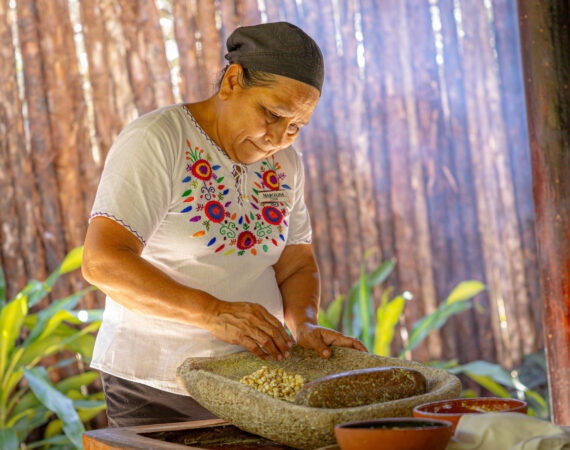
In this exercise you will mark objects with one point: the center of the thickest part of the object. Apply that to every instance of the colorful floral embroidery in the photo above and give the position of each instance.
(271, 180)
(231, 231)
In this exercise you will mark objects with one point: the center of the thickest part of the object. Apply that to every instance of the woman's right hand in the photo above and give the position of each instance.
(251, 326)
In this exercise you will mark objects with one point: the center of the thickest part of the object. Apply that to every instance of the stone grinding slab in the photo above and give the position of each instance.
(214, 383)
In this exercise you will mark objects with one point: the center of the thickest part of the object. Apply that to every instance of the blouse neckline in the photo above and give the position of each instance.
(216, 146)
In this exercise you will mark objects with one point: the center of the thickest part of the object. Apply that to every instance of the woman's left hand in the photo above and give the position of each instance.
(319, 339)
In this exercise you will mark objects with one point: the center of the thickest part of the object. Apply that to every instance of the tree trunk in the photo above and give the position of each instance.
(136, 52)
(545, 39)
(48, 213)
(118, 63)
(192, 84)
(248, 13)
(22, 250)
(468, 247)
(211, 46)
(149, 20)
(107, 121)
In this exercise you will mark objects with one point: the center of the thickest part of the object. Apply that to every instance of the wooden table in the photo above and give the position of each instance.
(137, 438)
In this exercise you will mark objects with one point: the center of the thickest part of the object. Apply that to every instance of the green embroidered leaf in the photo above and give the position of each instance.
(251, 216)
(245, 226)
(241, 252)
(186, 193)
(206, 224)
(220, 179)
(264, 248)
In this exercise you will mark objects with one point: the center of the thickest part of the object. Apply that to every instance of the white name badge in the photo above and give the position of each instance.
(273, 197)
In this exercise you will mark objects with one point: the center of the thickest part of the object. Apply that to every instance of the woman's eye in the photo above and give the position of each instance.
(271, 116)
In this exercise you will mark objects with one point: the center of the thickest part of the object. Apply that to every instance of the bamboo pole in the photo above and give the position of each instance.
(545, 39)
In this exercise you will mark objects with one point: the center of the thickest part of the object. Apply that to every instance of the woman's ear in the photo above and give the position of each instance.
(232, 80)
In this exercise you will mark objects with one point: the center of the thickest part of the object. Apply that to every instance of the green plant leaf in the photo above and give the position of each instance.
(2, 288)
(72, 261)
(11, 320)
(464, 291)
(537, 403)
(45, 316)
(379, 275)
(57, 439)
(348, 311)
(490, 384)
(35, 291)
(76, 381)
(388, 316)
(333, 312)
(8, 439)
(486, 369)
(62, 337)
(88, 315)
(322, 319)
(57, 402)
(364, 301)
(432, 322)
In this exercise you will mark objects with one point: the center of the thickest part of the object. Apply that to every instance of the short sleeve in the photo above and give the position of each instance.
(299, 221)
(135, 186)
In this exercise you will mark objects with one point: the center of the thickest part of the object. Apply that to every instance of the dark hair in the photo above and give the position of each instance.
(251, 78)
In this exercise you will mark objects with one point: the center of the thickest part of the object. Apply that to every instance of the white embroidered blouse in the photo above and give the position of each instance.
(206, 221)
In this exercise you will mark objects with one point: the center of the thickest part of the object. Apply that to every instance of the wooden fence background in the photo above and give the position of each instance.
(418, 147)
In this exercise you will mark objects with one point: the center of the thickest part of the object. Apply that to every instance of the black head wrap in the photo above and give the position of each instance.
(279, 48)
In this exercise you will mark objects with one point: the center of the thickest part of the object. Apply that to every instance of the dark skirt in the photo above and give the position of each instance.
(130, 404)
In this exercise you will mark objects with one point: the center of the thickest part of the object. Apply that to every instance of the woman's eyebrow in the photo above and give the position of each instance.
(286, 113)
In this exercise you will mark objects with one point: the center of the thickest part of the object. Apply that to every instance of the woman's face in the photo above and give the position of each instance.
(255, 123)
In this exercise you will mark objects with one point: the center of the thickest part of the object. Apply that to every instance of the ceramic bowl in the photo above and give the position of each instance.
(452, 410)
(396, 433)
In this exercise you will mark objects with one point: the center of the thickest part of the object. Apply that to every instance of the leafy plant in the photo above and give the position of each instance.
(376, 331)
(28, 399)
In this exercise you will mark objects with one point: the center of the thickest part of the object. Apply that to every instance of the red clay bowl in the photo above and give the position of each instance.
(452, 410)
(397, 433)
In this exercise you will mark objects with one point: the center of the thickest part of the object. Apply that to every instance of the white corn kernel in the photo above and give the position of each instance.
(275, 382)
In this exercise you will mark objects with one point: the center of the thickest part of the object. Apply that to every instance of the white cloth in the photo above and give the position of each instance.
(203, 221)
(508, 431)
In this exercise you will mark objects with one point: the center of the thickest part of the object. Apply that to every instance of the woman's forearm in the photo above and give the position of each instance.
(301, 293)
(112, 261)
(299, 282)
(139, 286)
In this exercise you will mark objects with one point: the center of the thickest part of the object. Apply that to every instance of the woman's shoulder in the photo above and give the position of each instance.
(291, 155)
(167, 121)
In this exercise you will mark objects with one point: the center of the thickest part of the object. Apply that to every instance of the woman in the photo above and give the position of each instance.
(199, 234)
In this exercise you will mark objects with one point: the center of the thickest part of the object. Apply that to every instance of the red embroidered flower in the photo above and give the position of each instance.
(215, 211)
(201, 169)
(272, 215)
(271, 180)
(245, 240)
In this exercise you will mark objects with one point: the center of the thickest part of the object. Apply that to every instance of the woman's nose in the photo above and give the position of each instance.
(276, 135)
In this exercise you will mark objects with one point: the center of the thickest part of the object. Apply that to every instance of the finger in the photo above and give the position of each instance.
(273, 328)
(340, 340)
(272, 320)
(252, 346)
(316, 342)
(268, 343)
